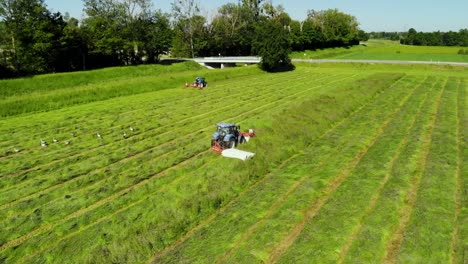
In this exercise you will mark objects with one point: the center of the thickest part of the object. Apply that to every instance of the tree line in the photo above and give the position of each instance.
(438, 38)
(412, 37)
(130, 32)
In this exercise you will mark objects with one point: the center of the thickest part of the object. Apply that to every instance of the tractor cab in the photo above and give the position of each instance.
(226, 135)
(226, 129)
(200, 82)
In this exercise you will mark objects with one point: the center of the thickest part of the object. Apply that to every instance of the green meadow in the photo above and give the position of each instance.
(354, 163)
(387, 50)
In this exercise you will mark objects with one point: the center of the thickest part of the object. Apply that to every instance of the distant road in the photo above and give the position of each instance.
(253, 60)
(385, 62)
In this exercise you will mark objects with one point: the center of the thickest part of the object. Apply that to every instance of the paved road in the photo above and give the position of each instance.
(257, 60)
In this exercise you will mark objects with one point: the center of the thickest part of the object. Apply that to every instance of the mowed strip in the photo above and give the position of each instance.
(369, 239)
(389, 167)
(268, 182)
(461, 227)
(404, 212)
(138, 144)
(95, 159)
(428, 236)
(309, 181)
(334, 223)
(164, 117)
(318, 208)
(129, 176)
(225, 231)
(87, 232)
(291, 97)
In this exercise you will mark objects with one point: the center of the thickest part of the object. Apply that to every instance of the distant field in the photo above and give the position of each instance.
(387, 50)
(354, 164)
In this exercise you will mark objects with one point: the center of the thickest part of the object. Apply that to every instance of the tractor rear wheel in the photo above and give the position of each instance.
(232, 143)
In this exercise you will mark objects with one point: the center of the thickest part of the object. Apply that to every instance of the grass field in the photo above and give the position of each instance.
(387, 50)
(354, 164)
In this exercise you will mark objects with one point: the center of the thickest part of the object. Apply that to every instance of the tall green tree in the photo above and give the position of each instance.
(125, 32)
(273, 45)
(188, 24)
(338, 28)
(34, 35)
(193, 44)
(104, 27)
(232, 31)
(254, 7)
(74, 48)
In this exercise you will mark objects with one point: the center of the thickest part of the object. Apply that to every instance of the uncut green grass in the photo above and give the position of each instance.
(387, 50)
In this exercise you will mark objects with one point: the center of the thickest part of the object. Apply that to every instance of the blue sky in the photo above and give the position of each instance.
(373, 15)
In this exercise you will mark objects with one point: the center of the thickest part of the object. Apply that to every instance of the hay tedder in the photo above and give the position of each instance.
(227, 137)
(199, 82)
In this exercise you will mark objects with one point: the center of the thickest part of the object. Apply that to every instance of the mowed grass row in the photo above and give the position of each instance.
(292, 98)
(372, 235)
(272, 205)
(429, 234)
(333, 224)
(459, 242)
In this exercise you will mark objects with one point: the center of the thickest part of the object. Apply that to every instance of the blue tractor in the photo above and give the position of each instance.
(228, 135)
(199, 82)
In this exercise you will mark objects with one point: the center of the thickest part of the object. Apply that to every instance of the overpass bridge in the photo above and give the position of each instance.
(223, 62)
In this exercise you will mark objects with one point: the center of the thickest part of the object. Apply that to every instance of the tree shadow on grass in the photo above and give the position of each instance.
(170, 61)
(285, 67)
